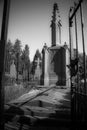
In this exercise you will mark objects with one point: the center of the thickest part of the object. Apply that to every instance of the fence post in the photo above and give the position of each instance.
(71, 56)
(84, 56)
(84, 63)
(4, 30)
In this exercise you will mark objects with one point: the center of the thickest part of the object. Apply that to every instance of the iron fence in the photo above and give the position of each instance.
(77, 70)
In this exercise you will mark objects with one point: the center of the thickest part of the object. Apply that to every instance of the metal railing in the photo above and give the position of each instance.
(78, 97)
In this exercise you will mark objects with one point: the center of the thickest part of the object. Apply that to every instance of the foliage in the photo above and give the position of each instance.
(81, 62)
(8, 55)
(26, 50)
(17, 47)
(37, 54)
(25, 61)
(14, 91)
(34, 64)
(15, 52)
(25, 57)
(9, 46)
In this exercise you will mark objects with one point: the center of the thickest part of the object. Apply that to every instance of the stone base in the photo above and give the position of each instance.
(53, 78)
(54, 66)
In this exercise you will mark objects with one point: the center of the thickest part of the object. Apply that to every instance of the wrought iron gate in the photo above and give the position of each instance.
(77, 71)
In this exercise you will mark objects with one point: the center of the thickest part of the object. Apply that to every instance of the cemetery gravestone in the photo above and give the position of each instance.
(38, 69)
(13, 71)
(55, 58)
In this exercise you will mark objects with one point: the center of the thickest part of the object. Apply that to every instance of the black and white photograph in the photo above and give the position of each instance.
(43, 64)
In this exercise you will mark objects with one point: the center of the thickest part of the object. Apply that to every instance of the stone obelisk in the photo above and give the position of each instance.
(56, 26)
(53, 25)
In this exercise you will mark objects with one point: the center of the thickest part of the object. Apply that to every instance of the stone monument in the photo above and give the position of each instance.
(55, 58)
(13, 71)
(45, 66)
(38, 69)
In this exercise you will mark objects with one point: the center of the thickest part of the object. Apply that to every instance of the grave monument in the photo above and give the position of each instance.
(38, 69)
(55, 58)
(13, 71)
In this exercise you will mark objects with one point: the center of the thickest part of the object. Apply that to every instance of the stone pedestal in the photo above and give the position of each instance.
(55, 70)
(13, 71)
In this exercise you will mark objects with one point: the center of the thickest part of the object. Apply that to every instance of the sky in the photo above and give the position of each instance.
(30, 21)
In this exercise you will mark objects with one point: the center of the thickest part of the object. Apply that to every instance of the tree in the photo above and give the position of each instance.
(81, 64)
(25, 56)
(37, 54)
(34, 64)
(26, 60)
(9, 46)
(8, 55)
(17, 53)
(27, 51)
(17, 47)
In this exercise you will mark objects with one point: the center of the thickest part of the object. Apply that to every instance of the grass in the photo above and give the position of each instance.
(13, 90)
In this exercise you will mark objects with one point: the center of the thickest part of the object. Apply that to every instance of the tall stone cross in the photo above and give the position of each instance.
(38, 70)
(38, 61)
(54, 25)
(13, 70)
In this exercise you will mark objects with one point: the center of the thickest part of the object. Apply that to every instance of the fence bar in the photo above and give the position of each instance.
(77, 87)
(76, 36)
(4, 30)
(80, 111)
(76, 48)
(70, 42)
(84, 56)
(76, 9)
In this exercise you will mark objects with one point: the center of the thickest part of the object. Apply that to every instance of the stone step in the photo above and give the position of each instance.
(39, 116)
(12, 126)
(41, 103)
(53, 78)
(40, 112)
(37, 111)
(40, 125)
(26, 121)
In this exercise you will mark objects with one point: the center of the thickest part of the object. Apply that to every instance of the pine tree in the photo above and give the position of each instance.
(26, 60)
(8, 55)
(17, 54)
(34, 64)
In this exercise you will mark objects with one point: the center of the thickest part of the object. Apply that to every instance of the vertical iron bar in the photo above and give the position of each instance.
(76, 39)
(84, 63)
(84, 57)
(84, 115)
(70, 25)
(4, 30)
(77, 82)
